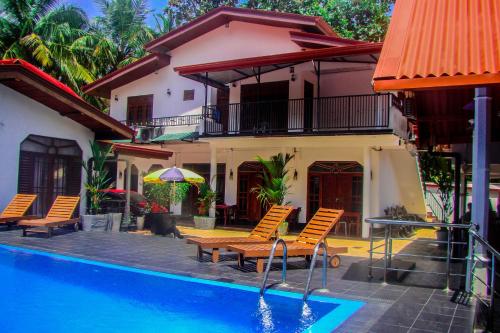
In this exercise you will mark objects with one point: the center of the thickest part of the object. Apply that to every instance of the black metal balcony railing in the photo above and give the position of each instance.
(301, 116)
(166, 121)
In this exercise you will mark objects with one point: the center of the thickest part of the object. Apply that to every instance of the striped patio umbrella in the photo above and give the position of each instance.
(175, 175)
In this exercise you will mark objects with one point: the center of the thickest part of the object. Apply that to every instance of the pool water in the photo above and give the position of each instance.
(43, 292)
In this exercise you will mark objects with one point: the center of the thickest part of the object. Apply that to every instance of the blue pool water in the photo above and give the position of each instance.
(43, 292)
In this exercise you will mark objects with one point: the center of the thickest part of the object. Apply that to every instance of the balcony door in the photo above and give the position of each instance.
(139, 109)
(264, 107)
(308, 105)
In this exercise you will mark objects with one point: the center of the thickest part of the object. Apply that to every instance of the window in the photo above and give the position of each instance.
(189, 95)
(139, 109)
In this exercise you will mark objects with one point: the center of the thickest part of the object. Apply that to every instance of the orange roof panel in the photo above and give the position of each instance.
(440, 39)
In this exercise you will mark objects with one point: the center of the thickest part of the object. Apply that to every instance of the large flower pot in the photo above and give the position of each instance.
(97, 222)
(162, 223)
(114, 221)
(204, 222)
(140, 222)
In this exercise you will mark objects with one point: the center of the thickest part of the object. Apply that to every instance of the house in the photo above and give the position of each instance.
(238, 83)
(45, 129)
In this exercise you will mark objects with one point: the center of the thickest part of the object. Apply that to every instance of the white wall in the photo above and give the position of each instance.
(21, 116)
(240, 40)
(394, 178)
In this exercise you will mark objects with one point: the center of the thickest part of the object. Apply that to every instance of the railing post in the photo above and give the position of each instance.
(470, 258)
(389, 96)
(448, 253)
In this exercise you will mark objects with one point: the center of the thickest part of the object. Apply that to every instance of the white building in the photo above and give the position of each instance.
(45, 130)
(248, 83)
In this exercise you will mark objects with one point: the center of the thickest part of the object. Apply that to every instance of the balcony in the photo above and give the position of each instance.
(187, 120)
(358, 114)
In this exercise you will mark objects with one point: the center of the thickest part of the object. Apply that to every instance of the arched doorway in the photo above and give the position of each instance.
(134, 178)
(49, 167)
(249, 207)
(336, 185)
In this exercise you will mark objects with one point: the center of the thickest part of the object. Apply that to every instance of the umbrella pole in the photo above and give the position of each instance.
(127, 197)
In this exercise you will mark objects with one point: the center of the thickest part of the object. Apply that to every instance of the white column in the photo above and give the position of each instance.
(480, 160)
(213, 175)
(365, 228)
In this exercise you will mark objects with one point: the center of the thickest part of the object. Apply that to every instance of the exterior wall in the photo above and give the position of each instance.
(239, 41)
(394, 177)
(21, 116)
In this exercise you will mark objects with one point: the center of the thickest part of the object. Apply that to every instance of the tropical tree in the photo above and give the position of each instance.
(47, 35)
(119, 34)
(438, 170)
(358, 19)
(274, 187)
(186, 10)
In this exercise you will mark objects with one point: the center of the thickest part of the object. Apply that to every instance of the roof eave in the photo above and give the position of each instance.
(392, 84)
(18, 72)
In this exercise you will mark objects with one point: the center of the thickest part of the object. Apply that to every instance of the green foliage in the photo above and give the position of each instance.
(184, 11)
(274, 188)
(46, 34)
(165, 194)
(356, 19)
(206, 198)
(97, 176)
(438, 170)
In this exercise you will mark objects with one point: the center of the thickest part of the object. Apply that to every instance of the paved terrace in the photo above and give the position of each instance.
(389, 308)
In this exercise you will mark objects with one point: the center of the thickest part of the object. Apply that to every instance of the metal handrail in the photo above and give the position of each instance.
(312, 266)
(388, 254)
(269, 263)
(472, 259)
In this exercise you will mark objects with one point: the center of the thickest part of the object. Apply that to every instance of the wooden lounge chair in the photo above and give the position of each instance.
(16, 209)
(315, 232)
(59, 215)
(262, 233)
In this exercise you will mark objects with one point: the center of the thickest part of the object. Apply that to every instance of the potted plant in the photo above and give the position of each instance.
(274, 187)
(97, 181)
(438, 170)
(159, 197)
(206, 199)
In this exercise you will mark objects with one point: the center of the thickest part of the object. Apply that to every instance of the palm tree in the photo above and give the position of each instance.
(46, 34)
(120, 33)
(274, 188)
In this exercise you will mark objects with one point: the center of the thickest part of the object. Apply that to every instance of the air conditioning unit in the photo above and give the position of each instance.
(158, 131)
(144, 134)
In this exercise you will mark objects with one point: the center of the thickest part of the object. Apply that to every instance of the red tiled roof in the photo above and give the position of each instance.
(440, 43)
(32, 82)
(222, 15)
(142, 67)
(37, 71)
(138, 151)
(309, 40)
(284, 58)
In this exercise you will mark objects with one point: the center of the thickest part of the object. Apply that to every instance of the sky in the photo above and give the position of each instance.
(92, 9)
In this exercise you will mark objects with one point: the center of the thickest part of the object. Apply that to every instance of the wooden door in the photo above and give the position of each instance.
(223, 107)
(249, 207)
(308, 105)
(264, 106)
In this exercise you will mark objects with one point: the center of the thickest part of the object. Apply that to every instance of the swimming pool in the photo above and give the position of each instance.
(43, 292)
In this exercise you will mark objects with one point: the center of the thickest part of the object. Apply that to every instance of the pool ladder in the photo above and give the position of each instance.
(269, 263)
(312, 266)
